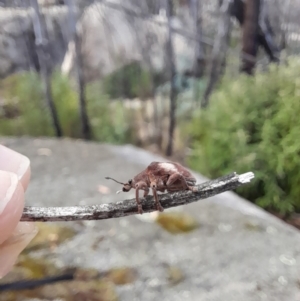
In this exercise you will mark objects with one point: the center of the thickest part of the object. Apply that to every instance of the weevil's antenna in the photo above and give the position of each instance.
(108, 178)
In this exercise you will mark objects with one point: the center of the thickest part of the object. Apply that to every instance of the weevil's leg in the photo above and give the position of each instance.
(159, 207)
(146, 191)
(139, 204)
(175, 177)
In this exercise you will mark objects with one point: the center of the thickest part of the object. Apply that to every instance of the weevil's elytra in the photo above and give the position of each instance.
(160, 176)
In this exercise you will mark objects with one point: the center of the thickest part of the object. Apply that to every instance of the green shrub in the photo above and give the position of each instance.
(66, 102)
(110, 121)
(23, 93)
(129, 81)
(25, 112)
(253, 124)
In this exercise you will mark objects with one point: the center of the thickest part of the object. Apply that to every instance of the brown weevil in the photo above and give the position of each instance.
(160, 176)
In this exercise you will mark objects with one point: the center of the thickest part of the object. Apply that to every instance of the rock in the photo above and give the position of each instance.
(17, 41)
(113, 37)
(175, 275)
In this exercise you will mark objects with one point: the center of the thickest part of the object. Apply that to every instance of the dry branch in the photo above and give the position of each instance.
(129, 207)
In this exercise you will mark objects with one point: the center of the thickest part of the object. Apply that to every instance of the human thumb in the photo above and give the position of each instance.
(14, 235)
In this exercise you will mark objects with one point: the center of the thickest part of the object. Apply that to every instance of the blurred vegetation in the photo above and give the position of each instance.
(87, 284)
(24, 111)
(49, 236)
(253, 124)
(131, 81)
(23, 106)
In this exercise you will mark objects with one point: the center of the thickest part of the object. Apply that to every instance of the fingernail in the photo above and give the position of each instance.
(8, 185)
(16, 163)
(12, 247)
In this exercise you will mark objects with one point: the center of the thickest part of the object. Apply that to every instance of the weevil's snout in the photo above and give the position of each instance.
(127, 186)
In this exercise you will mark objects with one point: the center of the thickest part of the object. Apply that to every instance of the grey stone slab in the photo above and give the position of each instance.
(239, 252)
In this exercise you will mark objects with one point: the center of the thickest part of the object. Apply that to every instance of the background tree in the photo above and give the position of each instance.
(85, 123)
(219, 50)
(250, 35)
(41, 39)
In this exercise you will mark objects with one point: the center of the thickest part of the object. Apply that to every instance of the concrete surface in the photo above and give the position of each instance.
(224, 259)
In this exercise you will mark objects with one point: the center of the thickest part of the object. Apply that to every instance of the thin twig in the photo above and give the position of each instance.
(129, 207)
(28, 284)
